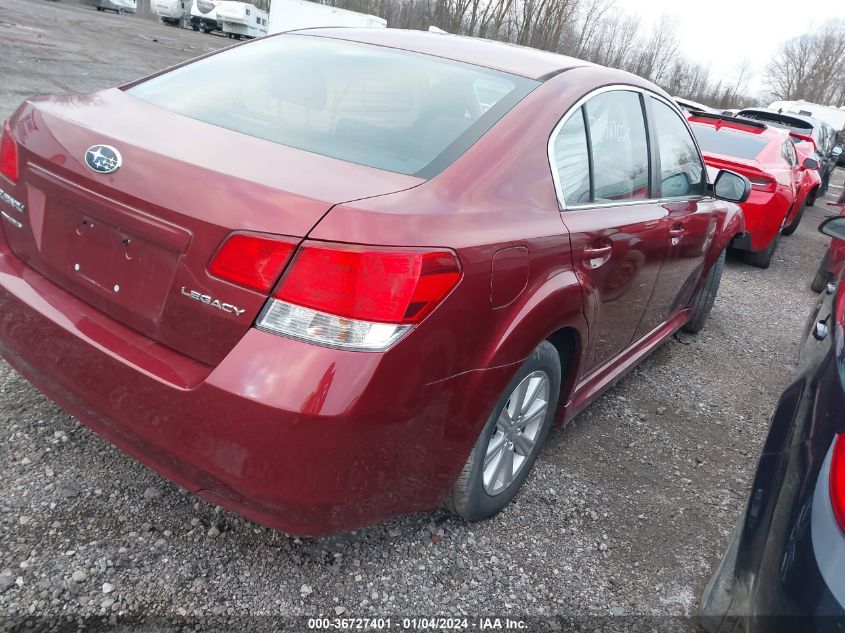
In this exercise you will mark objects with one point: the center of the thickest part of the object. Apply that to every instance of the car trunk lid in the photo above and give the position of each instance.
(136, 243)
(748, 167)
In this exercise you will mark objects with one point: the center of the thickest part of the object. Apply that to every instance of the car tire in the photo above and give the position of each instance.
(821, 278)
(790, 228)
(703, 303)
(763, 259)
(479, 494)
(811, 197)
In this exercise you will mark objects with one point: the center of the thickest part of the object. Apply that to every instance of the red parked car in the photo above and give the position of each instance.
(809, 186)
(768, 157)
(329, 277)
(832, 262)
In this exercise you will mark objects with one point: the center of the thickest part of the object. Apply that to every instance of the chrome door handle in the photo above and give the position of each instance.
(597, 252)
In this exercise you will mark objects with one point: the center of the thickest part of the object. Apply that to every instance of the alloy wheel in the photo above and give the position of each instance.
(514, 439)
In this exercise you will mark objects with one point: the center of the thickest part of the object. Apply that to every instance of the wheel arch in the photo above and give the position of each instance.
(812, 194)
(553, 312)
(568, 344)
(732, 226)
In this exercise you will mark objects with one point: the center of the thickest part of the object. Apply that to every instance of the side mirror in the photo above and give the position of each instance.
(834, 227)
(836, 152)
(731, 186)
(810, 163)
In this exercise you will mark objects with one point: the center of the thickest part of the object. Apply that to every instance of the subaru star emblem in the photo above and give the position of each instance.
(104, 159)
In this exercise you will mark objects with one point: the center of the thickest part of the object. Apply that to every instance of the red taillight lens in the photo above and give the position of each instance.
(8, 154)
(250, 260)
(762, 184)
(381, 286)
(837, 480)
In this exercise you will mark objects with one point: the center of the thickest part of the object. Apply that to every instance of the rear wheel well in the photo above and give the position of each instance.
(567, 343)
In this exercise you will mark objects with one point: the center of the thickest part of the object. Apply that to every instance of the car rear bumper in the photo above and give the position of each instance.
(764, 216)
(300, 438)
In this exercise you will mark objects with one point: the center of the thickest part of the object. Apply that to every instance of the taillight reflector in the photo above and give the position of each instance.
(381, 286)
(251, 260)
(837, 480)
(8, 154)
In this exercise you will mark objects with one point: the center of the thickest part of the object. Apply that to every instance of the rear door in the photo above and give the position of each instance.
(690, 216)
(601, 158)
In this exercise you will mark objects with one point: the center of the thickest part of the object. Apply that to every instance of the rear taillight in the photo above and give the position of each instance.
(837, 480)
(760, 183)
(8, 154)
(358, 297)
(251, 260)
(803, 137)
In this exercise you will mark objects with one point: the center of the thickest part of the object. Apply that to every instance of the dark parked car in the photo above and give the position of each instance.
(784, 569)
(803, 128)
(840, 143)
(329, 277)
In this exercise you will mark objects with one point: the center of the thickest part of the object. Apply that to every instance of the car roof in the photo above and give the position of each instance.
(698, 107)
(510, 58)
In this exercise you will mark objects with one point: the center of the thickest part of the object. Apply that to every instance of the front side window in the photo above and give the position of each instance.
(619, 146)
(681, 171)
(395, 110)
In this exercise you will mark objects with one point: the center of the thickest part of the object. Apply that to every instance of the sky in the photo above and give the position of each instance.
(724, 33)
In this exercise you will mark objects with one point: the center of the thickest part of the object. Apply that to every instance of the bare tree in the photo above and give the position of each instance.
(811, 66)
(599, 32)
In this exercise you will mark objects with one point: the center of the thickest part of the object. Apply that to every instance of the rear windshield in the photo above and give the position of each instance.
(728, 142)
(402, 112)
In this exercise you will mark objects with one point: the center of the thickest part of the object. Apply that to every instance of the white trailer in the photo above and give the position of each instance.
(833, 116)
(118, 6)
(204, 15)
(173, 12)
(289, 15)
(241, 20)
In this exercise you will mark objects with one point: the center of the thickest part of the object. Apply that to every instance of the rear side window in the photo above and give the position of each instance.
(619, 146)
(572, 160)
(402, 112)
(681, 171)
(728, 142)
(787, 150)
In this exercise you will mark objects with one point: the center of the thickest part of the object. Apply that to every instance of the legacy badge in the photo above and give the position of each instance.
(211, 301)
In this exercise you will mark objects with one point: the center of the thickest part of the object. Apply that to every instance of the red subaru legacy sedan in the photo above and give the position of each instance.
(329, 277)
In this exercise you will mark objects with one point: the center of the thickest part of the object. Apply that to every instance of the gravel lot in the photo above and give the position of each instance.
(627, 512)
